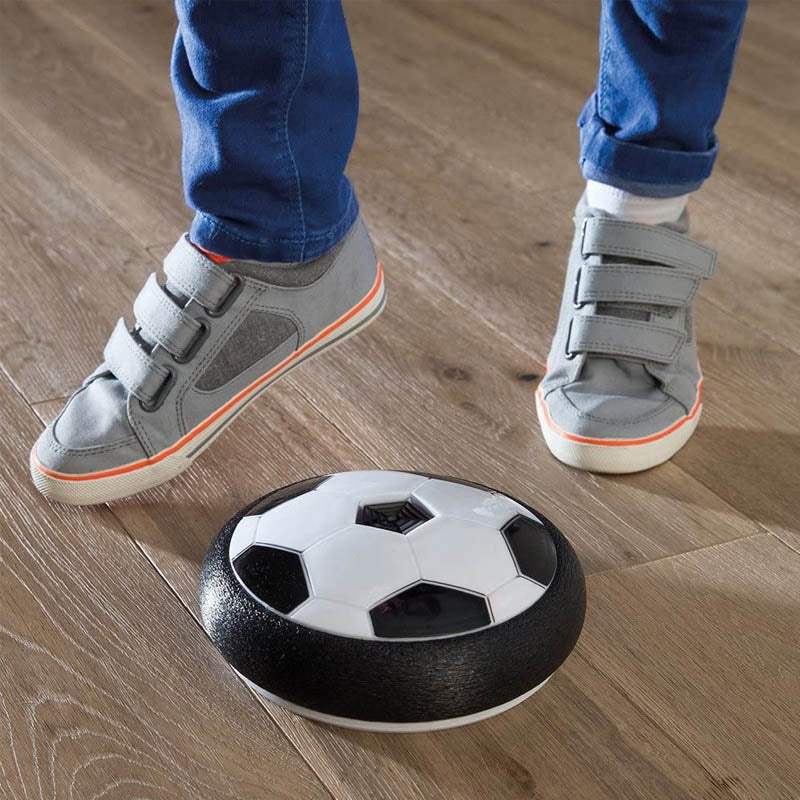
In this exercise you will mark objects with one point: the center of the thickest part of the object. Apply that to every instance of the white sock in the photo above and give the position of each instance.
(634, 207)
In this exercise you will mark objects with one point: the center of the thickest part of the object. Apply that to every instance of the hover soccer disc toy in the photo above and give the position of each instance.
(392, 601)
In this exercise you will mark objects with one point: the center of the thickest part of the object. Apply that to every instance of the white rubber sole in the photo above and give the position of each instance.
(391, 727)
(103, 487)
(615, 455)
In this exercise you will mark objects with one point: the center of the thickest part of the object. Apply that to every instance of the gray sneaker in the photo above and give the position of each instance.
(203, 346)
(622, 391)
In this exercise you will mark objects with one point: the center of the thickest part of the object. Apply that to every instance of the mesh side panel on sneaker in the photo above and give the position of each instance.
(259, 334)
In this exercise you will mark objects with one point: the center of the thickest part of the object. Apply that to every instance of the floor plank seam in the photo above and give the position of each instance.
(474, 158)
(293, 382)
(783, 541)
(422, 276)
(489, 53)
(742, 320)
(49, 400)
(16, 387)
(152, 249)
(628, 567)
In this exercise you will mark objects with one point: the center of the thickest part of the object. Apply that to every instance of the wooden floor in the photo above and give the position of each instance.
(685, 683)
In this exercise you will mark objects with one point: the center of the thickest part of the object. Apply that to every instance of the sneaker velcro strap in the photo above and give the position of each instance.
(163, 320)
(626, 338)
(196, 276)
(613, 237)
(634, 283)
(132, 366)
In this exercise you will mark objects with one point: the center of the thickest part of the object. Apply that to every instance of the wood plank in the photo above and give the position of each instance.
(51, 233)
(706, 644)
(747, 447)
(108, 687)
(117, 136)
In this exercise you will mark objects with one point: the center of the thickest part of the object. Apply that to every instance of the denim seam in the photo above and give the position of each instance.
(329, 232)
(299, 200)
(602, 85)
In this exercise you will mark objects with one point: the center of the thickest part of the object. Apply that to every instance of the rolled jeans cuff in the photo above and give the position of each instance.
(637, 168)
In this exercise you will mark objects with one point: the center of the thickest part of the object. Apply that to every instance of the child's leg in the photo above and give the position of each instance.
(268, 98)
(648, 129)
(623, 387)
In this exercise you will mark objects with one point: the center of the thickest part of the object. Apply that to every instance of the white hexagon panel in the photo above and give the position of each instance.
(333, 617)
(360, 565)
(466, 502)
(513, 598)
(373, 486)
(304, 520)
(243, 536)
(467, 555)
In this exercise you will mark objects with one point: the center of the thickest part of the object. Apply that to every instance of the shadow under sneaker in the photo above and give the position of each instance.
(204, 345)
(623, 386)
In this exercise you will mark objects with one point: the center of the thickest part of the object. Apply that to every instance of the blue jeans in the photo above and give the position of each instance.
(267, 93)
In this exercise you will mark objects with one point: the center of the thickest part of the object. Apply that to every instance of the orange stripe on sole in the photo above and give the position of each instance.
(226, 407)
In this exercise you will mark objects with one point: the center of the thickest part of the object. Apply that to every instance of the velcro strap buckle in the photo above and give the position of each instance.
(161, 318)
(654, 243)
(198, 277)
(634, 283)
(133, 367)
(626, 338)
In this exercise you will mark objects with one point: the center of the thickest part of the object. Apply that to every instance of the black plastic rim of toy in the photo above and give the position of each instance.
(381, 680)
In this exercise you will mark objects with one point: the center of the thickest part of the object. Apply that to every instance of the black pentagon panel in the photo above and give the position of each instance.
(533, 549)
(273, 575)
(398, 517)
(427, 609)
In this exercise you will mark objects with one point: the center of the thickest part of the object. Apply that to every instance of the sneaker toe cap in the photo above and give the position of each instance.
(600, 416)
(92, 432)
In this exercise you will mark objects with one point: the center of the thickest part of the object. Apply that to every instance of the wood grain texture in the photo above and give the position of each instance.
(108, 687)
(117, 137)
(684, 684)
(65, 258)
(706, 644)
